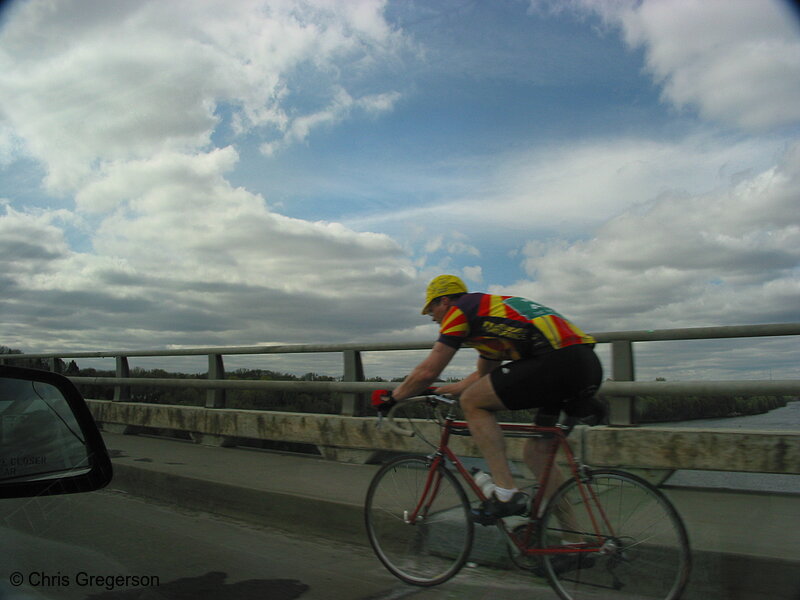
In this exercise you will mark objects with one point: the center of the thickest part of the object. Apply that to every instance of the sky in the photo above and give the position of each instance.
(214, 173)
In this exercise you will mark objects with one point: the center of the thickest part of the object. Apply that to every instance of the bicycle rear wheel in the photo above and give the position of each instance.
(645, 547)
(432, 548)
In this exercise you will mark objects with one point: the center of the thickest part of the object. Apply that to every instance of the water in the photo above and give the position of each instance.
(786, 418)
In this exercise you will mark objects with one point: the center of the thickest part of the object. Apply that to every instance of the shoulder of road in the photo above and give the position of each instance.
(738, 534)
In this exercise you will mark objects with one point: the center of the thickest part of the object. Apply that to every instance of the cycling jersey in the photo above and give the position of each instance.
(507, 327)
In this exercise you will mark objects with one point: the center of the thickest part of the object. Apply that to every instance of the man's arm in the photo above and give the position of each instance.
(426, 372)
(484, 367)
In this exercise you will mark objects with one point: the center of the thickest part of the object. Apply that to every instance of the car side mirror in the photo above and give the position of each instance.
(49, 442)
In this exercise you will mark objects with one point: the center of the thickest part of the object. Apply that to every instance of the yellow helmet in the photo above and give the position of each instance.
(443, 285)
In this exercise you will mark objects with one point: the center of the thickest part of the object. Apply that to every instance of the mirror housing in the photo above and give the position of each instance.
(49, 442)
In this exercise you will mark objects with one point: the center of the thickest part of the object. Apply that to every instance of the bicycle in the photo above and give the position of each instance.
(603, 533)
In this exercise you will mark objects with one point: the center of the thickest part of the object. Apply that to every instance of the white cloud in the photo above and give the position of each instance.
(577, 185)
(728, 256)
(459, 247)
(120, 103)
(87, 82)
(182, 207)
(298, 129)
(9, 144)
(568, 189)
(30, 242)
(439, 252)
(219, 270)
(129, 182)
(474, 274)
(736, 62)
(739, 65)
(434, 244)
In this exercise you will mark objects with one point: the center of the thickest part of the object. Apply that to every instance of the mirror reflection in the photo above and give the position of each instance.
(39, 436)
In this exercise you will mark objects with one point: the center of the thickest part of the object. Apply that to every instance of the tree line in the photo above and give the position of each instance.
(264, 399)
(648, 409)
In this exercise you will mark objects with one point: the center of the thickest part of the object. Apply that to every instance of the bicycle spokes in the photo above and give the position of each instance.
(641, 545)
(418, 521)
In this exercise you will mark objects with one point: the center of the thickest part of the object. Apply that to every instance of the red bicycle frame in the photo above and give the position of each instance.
(523, 542)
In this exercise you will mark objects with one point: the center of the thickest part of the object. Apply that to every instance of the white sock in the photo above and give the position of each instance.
(503, 494)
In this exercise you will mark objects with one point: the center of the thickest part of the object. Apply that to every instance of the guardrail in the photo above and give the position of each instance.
(621, 390)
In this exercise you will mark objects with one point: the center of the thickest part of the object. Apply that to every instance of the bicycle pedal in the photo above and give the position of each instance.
(485, 519)
(481, 518)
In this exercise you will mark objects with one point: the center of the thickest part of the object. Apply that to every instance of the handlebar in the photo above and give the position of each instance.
(593, 413)
(432, 399)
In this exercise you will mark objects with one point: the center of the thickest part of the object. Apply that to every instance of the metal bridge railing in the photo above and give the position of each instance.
(621, 389)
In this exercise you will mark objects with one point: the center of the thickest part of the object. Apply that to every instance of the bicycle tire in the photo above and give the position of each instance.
(433, 549)
(646, 555)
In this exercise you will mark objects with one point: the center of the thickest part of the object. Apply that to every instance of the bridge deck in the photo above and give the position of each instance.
(745, 543)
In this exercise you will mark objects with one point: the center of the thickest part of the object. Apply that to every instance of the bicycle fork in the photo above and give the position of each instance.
(429, 493)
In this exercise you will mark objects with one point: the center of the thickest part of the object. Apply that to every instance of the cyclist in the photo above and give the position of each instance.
(529, 357)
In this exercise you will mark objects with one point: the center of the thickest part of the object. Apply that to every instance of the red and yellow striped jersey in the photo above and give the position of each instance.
(507, 327)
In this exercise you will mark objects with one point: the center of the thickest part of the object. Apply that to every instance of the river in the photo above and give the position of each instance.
(785, 418)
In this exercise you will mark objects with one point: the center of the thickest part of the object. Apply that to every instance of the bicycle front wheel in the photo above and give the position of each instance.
(645, 550)
(418, 521)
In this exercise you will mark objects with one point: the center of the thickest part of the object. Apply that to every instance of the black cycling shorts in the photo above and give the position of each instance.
(548, 381)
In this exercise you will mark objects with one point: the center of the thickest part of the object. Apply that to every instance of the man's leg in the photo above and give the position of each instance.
(479, 403)
(535, 454)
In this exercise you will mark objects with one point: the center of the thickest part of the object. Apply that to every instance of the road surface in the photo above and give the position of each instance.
(111, 546)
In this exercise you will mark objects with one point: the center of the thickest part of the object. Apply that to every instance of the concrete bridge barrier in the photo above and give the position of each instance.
(357, 439)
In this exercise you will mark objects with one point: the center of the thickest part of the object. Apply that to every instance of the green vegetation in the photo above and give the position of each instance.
(31, 363)
(648, 409)
(323, 403)
(652, 410)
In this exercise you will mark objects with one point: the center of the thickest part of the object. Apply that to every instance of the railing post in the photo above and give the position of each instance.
(214, 399)
(622, 410)
(122, 393)
(352, 404)
(216, 370)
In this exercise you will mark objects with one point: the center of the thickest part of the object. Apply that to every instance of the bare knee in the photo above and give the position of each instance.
(480, 398)
(469, 405)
